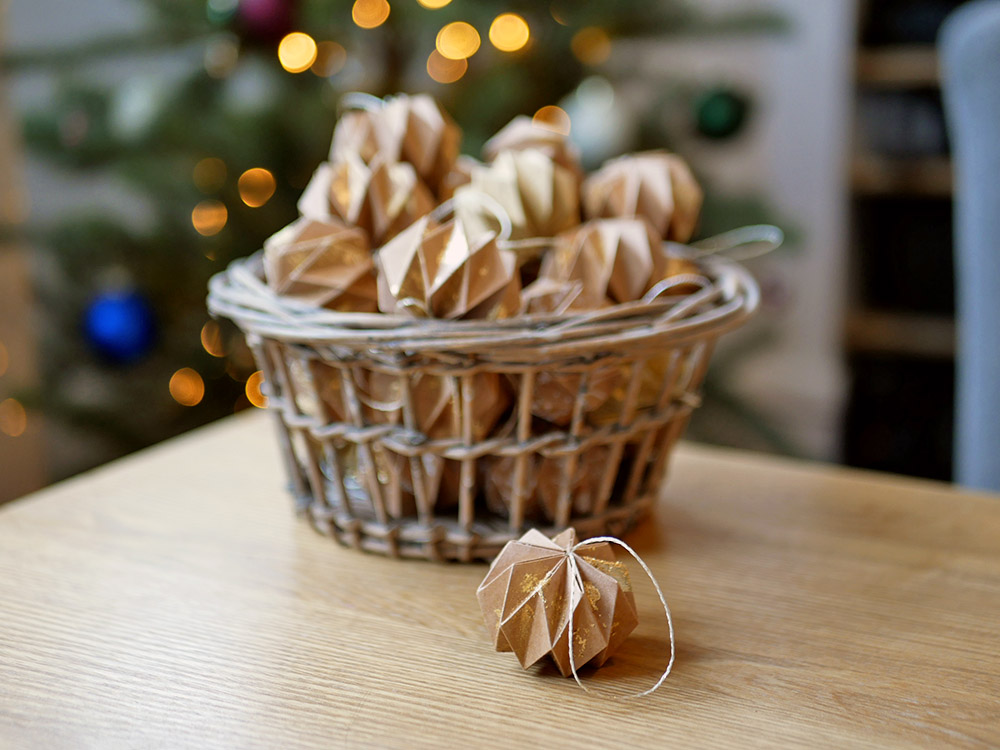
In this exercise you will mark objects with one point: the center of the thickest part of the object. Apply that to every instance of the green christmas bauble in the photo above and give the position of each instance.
(721, 113)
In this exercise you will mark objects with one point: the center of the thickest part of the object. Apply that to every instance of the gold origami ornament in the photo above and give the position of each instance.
(322, 262)
(382, 197)
(524, 133)
(537, 585)
(412, 129)
(539, 197)
(654, 185)
(614, 260)
(543, 481)
(436, 270)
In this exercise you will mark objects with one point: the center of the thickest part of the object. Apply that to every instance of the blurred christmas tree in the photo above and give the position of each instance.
(215, 150)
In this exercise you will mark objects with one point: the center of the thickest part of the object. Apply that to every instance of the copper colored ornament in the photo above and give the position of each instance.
(382, 197)
(555, 394)
(436, 270)
(612, 259)
(543, 481)
(524, 133)
(322, 262)
(412, 129)
(531, 592)
(538, 196)
(655, 185)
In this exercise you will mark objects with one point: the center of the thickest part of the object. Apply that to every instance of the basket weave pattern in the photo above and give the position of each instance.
(364, 480)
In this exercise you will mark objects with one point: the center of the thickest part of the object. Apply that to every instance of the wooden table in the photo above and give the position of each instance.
(173, 600)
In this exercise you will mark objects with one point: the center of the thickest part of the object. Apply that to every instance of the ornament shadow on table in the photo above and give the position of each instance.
(522, 368)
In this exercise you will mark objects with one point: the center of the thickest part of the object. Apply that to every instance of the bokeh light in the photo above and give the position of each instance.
(209, 174)
(4, 359)
(209, 217)
(211, 339)
(254, 394)
(256, 186)
(330, 59)
(368, 14)
(457, 40)
(433, 4)
(297, 52)
(13, 418)
(554, 118)
(591, 45)
(443, 70)
(221, 55)
(509, 32)
(187, 387)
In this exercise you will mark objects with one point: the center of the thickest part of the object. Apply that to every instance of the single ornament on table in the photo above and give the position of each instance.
(439, 271)
(382, 197)
(523, 133)
(531, 592)
(322, 262)
(411, 129)
(539, 197)
(654, 185)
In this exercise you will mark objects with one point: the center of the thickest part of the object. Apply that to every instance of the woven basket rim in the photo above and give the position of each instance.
(240, 294)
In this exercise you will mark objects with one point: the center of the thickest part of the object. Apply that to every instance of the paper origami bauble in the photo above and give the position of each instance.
(412, 129)
(613, 260)
(554, 396)
(532, 590)
(543, 481)
(322, 262)
(436, 270)
(655, 185)
(539, 196)
(524, 133)
(382, 197)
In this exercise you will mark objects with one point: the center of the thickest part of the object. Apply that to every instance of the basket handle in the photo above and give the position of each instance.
(739, 244)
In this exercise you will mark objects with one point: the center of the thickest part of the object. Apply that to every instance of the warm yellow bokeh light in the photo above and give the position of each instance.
(211, 339)
(443, 70)
(13, 418)
(591, 45)
(209, 174)
(254, 394)
(434, 4)
(370, 13)
(187, 387)
(209, 217)
(4, 359)
(509, 32)
(554, 118)
(330, 59)
(297, 52)
(256, 186)
(457, 41)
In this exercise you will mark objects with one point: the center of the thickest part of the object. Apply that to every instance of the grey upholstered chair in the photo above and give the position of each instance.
(970, 53)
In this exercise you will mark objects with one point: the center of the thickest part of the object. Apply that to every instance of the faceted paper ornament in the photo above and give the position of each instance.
(524, 133)
(382, 197)
(655, 185)
(554, 396)
(543, 482)
(613, 259)
(325, 263)
(531, 591)
(539, 197)
(436, 270)
(412, 129)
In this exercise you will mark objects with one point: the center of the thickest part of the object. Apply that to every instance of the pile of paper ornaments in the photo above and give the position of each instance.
(398, 222)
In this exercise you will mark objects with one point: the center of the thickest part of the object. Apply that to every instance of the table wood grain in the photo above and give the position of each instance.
(172, 600)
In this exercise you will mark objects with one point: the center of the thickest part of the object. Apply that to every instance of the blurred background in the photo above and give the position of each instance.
(146, 143)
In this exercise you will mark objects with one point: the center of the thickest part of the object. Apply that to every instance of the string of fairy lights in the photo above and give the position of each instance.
(298, 52)
(13, 417)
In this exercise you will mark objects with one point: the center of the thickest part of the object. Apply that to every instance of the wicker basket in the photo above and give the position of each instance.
(367, 482)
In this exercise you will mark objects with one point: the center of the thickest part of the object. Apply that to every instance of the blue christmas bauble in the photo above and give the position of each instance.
(120, 325)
